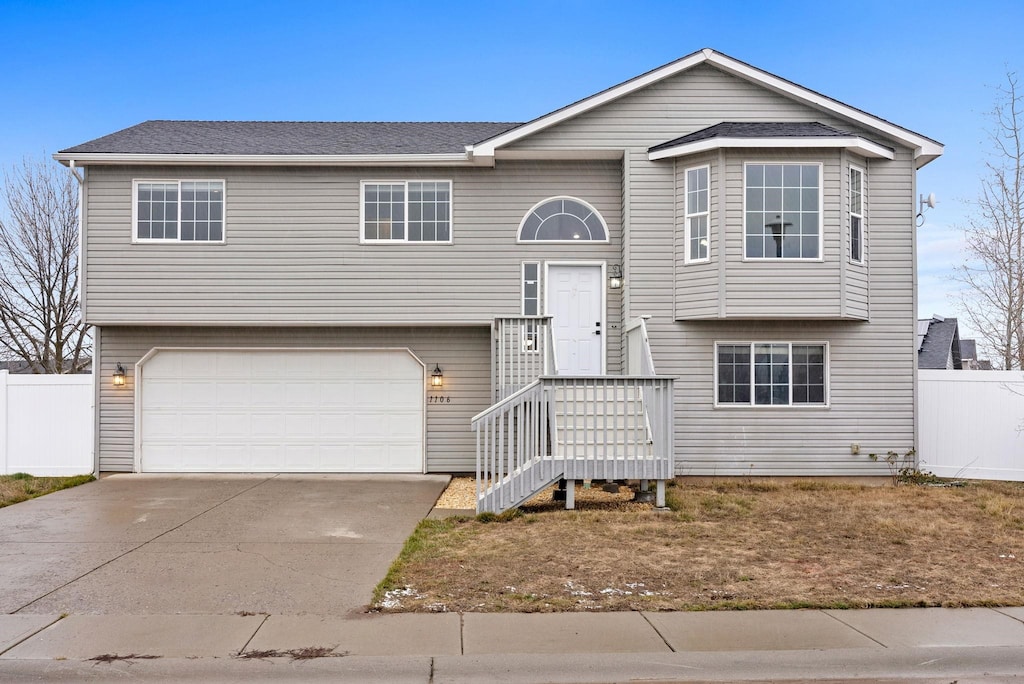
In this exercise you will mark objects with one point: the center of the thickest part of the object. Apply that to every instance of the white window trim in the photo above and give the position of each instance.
(406, 240)
(821, 215)
(588, 205)
(773, 407)
(688, 257)
(861, 215)
(136, 240)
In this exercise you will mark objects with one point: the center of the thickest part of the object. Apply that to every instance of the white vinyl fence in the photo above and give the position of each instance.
(46, 424)
(971, 423)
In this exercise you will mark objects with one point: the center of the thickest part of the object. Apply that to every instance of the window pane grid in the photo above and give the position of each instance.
(531, 305)
(771, 374)
(187, 211)
(734, 374)
(782, 213)
(697, 213)
(856, 214)
(563, 220)
(407, 211)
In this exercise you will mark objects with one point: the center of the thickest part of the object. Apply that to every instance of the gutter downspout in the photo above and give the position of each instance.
(74, 171)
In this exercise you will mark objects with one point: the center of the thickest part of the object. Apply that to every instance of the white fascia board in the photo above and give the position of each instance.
(865, 148)
(488, 147)
(93, 159)
(563, 155)
(923, 147)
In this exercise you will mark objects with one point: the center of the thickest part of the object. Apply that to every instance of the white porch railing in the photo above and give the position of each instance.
(611, 427)
(521, 351)
(638, 348)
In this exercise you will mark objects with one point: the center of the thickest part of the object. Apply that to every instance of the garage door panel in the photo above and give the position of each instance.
(160, 393)
(163, 424)
(263, 393)
(196, 392)
(230, 394)
(301, 394)
(227, 425)
(268, 425)
(278, 411)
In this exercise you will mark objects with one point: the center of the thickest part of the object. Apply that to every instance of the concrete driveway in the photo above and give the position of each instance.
(209, 544)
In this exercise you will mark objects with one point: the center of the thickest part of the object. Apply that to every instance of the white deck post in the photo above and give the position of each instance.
(659, 497)
(570, 494)
(644, 484)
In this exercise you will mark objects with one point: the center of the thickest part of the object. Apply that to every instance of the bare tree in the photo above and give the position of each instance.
(993, 300)
(40, 316)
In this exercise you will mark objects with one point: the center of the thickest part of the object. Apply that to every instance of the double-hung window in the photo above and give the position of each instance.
(771, 374)
(406, 211)
(856, 215)
(697, 214)
(783, 211)
(178, 210)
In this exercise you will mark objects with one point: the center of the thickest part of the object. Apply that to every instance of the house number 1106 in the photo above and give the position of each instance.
(440, 400)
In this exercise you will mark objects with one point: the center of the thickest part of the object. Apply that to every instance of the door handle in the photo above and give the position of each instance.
(597, 332)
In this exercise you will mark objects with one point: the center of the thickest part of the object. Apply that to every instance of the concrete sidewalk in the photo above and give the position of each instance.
(875, 645)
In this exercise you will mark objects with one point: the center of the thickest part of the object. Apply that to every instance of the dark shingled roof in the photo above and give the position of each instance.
(292, 137)
(943, 336)
(758, 129)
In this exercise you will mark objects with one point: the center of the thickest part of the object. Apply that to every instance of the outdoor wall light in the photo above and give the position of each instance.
(119, 376)
(437, 377)
(615, 276)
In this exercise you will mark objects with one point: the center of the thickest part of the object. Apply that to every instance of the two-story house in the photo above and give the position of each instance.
(709, 264)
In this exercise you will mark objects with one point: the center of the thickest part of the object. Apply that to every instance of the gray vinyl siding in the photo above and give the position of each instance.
(697, 289)
(462, 352)
(292, 258)
(871, 363)
(770, 288)
(678, 105)
(292, 254)
(871, 368)
(766, 288)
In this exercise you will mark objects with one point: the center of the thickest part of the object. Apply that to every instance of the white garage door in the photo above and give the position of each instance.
(338, 411)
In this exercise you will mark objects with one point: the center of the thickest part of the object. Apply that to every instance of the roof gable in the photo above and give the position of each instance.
(925, 149)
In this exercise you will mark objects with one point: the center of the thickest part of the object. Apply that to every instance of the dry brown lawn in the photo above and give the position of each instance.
(21, 487)
(726, 545)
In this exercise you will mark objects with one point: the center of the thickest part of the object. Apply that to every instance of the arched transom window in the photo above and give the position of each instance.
(563, 219)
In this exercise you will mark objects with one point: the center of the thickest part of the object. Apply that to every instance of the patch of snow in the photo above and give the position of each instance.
(393, 598)
(575, 590)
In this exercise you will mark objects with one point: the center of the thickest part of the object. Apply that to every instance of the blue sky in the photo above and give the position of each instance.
(73, 71)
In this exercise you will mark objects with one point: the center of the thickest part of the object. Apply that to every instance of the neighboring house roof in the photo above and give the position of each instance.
(17, 367)
(291, 138)
(939, 347)
(968, 350)
(768, 134)
(925, 149)
(436, 143)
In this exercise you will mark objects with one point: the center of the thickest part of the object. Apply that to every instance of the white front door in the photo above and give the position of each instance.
(575, 302)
